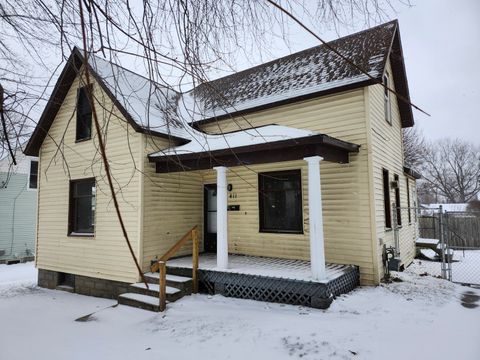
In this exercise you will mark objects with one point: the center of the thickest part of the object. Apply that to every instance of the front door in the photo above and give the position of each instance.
(210, 218)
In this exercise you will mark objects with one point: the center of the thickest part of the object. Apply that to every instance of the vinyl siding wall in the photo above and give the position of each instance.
(18, 209)
(106, 254)
(387, 152)
(345, 187)
(173, 204)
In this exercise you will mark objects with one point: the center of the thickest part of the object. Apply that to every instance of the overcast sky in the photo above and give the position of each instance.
(441, 44)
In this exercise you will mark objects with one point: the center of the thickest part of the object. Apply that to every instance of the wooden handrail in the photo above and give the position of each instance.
(174, 249)
(160, 265)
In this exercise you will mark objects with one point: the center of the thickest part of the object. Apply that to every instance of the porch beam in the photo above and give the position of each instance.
(315, 214)
(222, 218)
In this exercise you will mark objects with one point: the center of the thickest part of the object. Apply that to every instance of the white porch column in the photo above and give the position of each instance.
(317, 244)
(222, 227)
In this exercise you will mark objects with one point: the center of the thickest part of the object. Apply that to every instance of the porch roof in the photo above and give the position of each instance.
(265, 144)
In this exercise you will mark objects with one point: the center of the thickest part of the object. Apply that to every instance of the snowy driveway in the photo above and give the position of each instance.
(419, 318)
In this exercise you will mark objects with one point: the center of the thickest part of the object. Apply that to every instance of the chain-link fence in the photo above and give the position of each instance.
(449, 245)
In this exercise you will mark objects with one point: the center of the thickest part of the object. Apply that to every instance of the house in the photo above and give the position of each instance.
(18, 207)
(288, 170)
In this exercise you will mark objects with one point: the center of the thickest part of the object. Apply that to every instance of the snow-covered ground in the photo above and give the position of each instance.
(419, 318)
(465, 266)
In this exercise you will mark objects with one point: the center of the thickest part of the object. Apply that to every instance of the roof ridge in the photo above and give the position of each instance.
(265, 64)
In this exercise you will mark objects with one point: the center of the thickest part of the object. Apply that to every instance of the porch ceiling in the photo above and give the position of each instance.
(331, 149)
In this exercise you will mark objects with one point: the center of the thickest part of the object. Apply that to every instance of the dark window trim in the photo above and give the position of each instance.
(387, 99)
(30, 176)
(88, 88)
(386, 198)
(261, 227)
(70, 231)
(398, 205)
(409, 202)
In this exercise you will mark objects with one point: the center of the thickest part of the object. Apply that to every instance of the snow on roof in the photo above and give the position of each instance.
(461, 207)
(202, 142)
(157, 108)
(308, 71)
(151, 105)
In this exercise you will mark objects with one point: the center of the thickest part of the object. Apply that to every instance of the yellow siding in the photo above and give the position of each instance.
(387, 152)
(106, 254)
(345, 187)
(173, 204)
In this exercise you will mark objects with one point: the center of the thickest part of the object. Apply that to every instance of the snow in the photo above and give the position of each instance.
(430, 209)
(262, 266)
(155, 287)
(423, 241)
(202, 142)
(403, 320)
(465, 266)
(202, 113)
(151, 105)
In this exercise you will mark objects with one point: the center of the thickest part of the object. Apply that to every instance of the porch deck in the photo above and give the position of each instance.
(269, 279)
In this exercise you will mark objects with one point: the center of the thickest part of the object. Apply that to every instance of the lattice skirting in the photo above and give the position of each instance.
(278, 290)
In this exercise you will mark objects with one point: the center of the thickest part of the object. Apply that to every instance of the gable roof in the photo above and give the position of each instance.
(309, 73)
(152, 108)
(147, 106)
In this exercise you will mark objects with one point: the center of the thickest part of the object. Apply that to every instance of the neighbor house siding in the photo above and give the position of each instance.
(106, 254)
(18, 210)
(173, 204)
(345, 187)
(387, 152)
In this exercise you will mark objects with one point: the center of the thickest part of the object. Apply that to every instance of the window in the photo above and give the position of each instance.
(408, 202)
(397, 200)
(280, 201)
(82, 207)
(386, 199)
(33, 176)
(84, 115)
(386, 96)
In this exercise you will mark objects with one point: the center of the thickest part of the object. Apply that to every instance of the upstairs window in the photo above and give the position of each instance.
(33, 176)
(82, 207)
(280, 202)
(84, 115)
(386, 199)
(386, 99)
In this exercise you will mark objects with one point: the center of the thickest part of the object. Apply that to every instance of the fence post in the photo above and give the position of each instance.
(162, 281)
(442, 241)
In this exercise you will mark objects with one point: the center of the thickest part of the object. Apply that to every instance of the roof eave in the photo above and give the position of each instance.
(291, 100)
(64, 82)
(332, 149)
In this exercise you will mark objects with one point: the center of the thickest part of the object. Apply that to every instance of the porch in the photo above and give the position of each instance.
(269, 279)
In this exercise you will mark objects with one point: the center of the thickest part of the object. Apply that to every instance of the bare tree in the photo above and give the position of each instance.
(177, 44)
(452, 170)
(414, 147)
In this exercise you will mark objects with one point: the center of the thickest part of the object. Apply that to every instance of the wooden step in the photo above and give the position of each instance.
(139, 301)
(180, 282)
(173, 293)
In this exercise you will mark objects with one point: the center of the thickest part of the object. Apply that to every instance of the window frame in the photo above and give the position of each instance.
(387, 207)
(387, 103)
(409, 201)
(398, 198)
(85, 88)
(71, 209)
(30, 174)
(261, 225)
